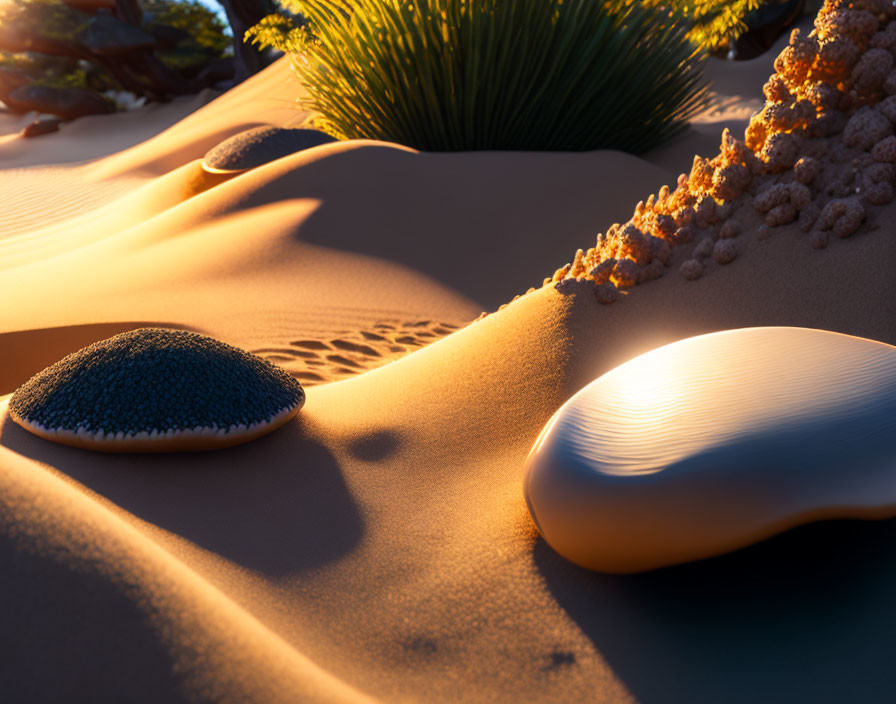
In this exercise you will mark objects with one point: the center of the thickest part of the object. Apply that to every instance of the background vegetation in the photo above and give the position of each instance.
(712, 24)
(199, 36)
(205, 36)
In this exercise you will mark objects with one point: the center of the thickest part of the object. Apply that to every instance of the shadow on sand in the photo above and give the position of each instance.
(277, 505)
(69, 635)
(807, 616)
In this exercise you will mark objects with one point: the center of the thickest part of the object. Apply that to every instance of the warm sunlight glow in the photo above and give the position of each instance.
(656, 409)
(648, 379)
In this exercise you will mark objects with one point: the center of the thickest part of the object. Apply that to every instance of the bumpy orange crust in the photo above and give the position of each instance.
(820, 153)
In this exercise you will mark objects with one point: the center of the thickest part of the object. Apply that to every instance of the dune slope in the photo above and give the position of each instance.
(402, 561)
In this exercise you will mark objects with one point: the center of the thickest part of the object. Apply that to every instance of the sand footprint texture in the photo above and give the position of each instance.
(379, 545)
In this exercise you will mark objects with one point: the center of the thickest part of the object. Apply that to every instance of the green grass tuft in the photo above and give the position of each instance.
(445, 75)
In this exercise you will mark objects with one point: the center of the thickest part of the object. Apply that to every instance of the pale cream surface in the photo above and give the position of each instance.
(709, 444)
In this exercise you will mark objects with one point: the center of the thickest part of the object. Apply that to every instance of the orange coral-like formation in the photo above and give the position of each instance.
(821, 153)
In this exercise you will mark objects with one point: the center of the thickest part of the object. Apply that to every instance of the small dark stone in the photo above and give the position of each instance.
(40, 127)
(67, 103)
(155, 379)
(261, 145)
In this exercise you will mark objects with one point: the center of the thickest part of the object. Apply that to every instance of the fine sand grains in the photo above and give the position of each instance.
(319, 360)
(39, 197)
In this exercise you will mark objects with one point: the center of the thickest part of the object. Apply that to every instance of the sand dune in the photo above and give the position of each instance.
(152, 137)
(133, 598)
(92, 137)
(379, 545)
(245, 278)
(43, 196)
(413, 524)
(28, 236)
(346, 253)
(118, 153)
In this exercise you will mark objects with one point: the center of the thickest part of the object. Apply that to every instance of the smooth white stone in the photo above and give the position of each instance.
(715, 442)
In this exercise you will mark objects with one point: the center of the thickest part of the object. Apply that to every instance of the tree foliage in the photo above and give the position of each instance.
(492, 74)
(202, 37)
(713, 24)
(205, 26)
(48, 18)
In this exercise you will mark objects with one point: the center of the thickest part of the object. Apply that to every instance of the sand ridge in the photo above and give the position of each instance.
(106, 158)
(44, 518)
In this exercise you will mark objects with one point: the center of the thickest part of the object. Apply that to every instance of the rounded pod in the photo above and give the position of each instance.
(715, 442)
(156, 390)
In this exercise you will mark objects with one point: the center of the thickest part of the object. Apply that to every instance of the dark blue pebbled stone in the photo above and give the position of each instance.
(156, 379)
